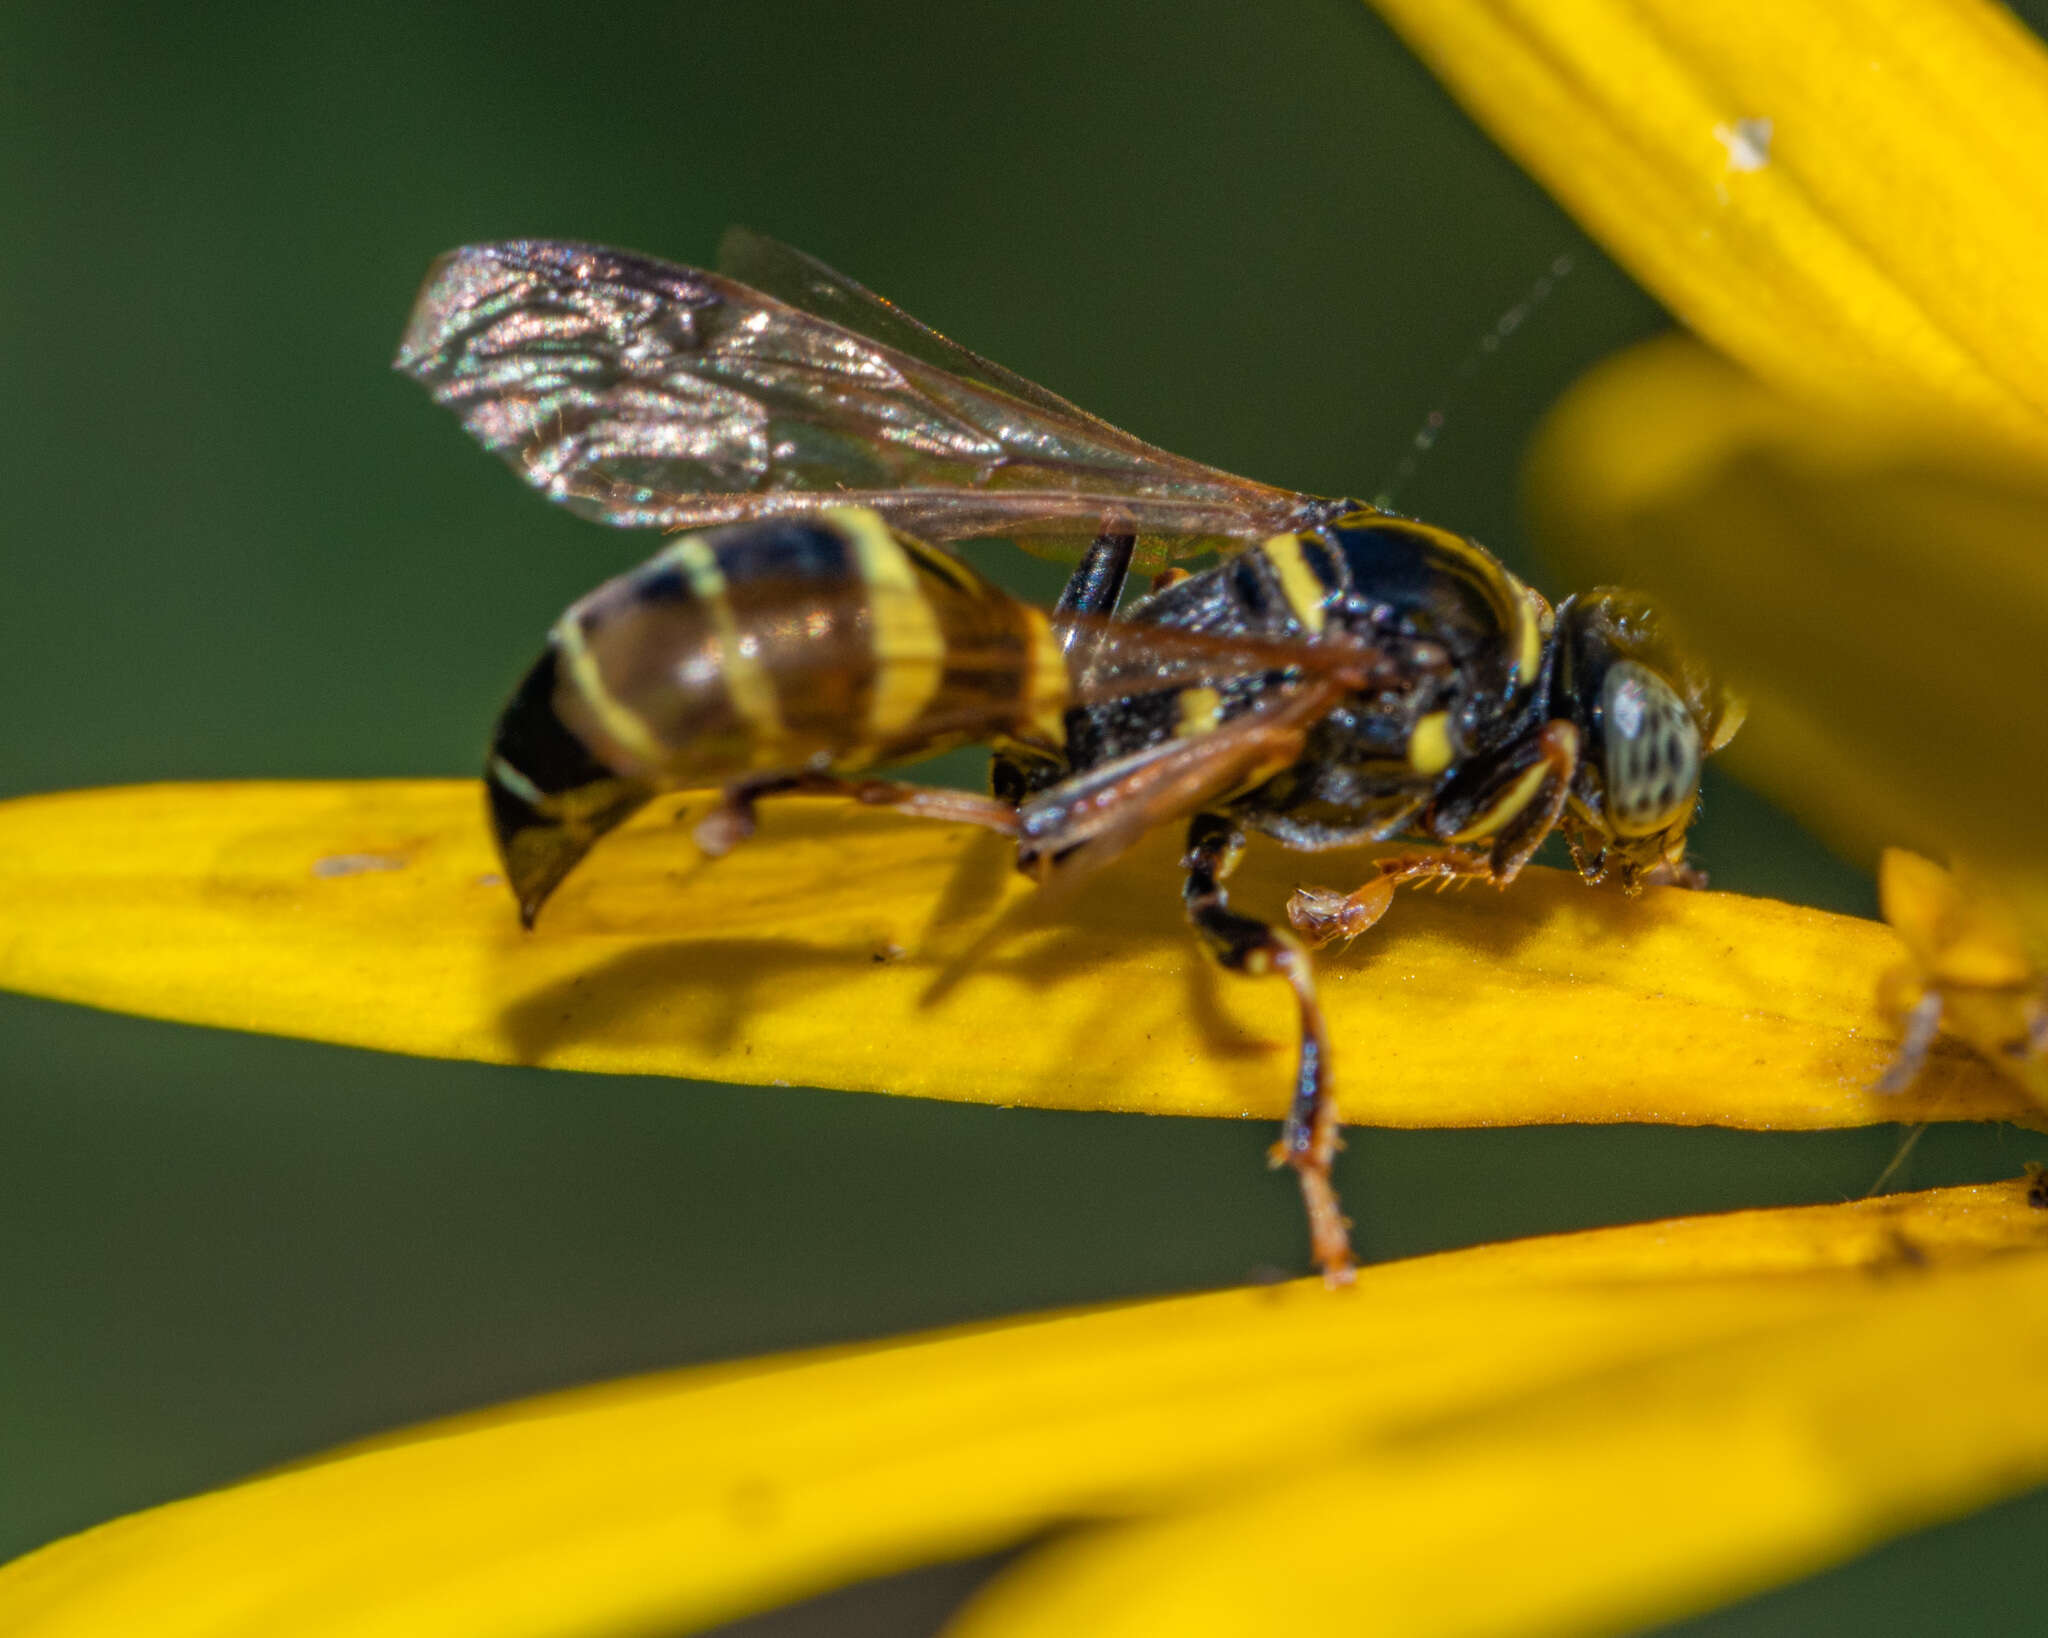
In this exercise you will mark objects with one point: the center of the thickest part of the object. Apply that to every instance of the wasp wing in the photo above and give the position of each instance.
(645, 394)
(807, 284)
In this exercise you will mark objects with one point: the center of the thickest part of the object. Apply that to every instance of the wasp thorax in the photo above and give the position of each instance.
(1649, 753)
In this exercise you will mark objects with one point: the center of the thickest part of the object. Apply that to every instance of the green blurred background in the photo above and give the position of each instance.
(239, 546)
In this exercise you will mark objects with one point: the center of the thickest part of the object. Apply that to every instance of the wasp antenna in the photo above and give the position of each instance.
(1482, 350)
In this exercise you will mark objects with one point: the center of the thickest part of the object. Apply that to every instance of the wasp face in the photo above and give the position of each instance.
(1647, 718)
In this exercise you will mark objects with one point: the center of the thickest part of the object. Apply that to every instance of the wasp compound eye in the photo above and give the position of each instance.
(1650, 752)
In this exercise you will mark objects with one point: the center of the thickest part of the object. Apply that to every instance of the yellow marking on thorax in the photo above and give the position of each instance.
(1527, 612)
(1429, 744)
(1531, 616)
(1298, 582)
(1512, 801)
(1042, 710)
(621, 723)
(908, 647)
(1201, 709)
(745, 673)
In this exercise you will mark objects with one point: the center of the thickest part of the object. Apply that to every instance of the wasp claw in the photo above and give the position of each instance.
(1321, 915)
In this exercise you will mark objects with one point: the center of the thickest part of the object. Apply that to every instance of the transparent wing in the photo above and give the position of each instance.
(807, 284)
(649, 395)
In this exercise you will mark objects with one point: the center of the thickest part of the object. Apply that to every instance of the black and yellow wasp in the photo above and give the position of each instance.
(1342, 675)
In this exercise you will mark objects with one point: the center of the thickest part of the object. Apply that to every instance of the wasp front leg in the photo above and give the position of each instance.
(1309, 1141)
(1495, 812)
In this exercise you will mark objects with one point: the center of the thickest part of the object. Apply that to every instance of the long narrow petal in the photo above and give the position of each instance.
(1842, 194)
(852, 949)
(686, 1498)
(1660, 1489)
(1880, 590)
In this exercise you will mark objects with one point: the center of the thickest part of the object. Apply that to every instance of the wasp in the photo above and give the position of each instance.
(1340, 675)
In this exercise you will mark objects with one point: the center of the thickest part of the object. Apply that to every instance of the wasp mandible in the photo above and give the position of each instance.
(1342, 675)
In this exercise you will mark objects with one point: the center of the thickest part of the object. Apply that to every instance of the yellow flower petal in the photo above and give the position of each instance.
(1966, 961)
(1954, 938)
(1842, 194)
(689, 1497)
(1879, 589)
(1660, 1489)
(853, 949)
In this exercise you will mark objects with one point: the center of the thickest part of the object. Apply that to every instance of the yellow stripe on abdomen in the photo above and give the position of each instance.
(619, 722)
(905, 641)
(747, 682)
(1042, 707)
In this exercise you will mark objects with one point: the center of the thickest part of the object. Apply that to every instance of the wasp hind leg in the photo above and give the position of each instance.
(734, 819)
(1092, 591)
(1509, 802)
(1309, 1141)
(1097, 583)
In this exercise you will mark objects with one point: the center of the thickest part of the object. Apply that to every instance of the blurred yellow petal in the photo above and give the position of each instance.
(686, 1498)
(1880, 591)
(1663, 1487)
(1966, 973)
(1844, 195)
(1954, 937)
(852, 949)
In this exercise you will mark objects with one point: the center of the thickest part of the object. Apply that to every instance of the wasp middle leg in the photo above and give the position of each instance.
(1309, 1141)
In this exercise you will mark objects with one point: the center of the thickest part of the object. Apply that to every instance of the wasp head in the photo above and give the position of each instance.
(1648, 716)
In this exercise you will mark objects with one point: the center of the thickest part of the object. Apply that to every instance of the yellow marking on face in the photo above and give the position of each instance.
(1201, 709)
(908, 646)
(744, 672)
(1042, 710)
(1298, 582)
(1429, 744)
(1512, 801)
(621, 724)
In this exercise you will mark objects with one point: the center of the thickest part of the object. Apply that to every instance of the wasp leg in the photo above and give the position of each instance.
(1309, 1141)
(1509, 801)
(1916, 1040)
(1321, 914)
(1092, 590)
(1097, 582)
(733, 820)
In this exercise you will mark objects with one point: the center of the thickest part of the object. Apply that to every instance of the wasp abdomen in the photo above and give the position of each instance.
(823, 645)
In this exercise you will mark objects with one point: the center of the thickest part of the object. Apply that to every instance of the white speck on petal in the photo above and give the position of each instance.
(1748, 142)
(355, 864)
